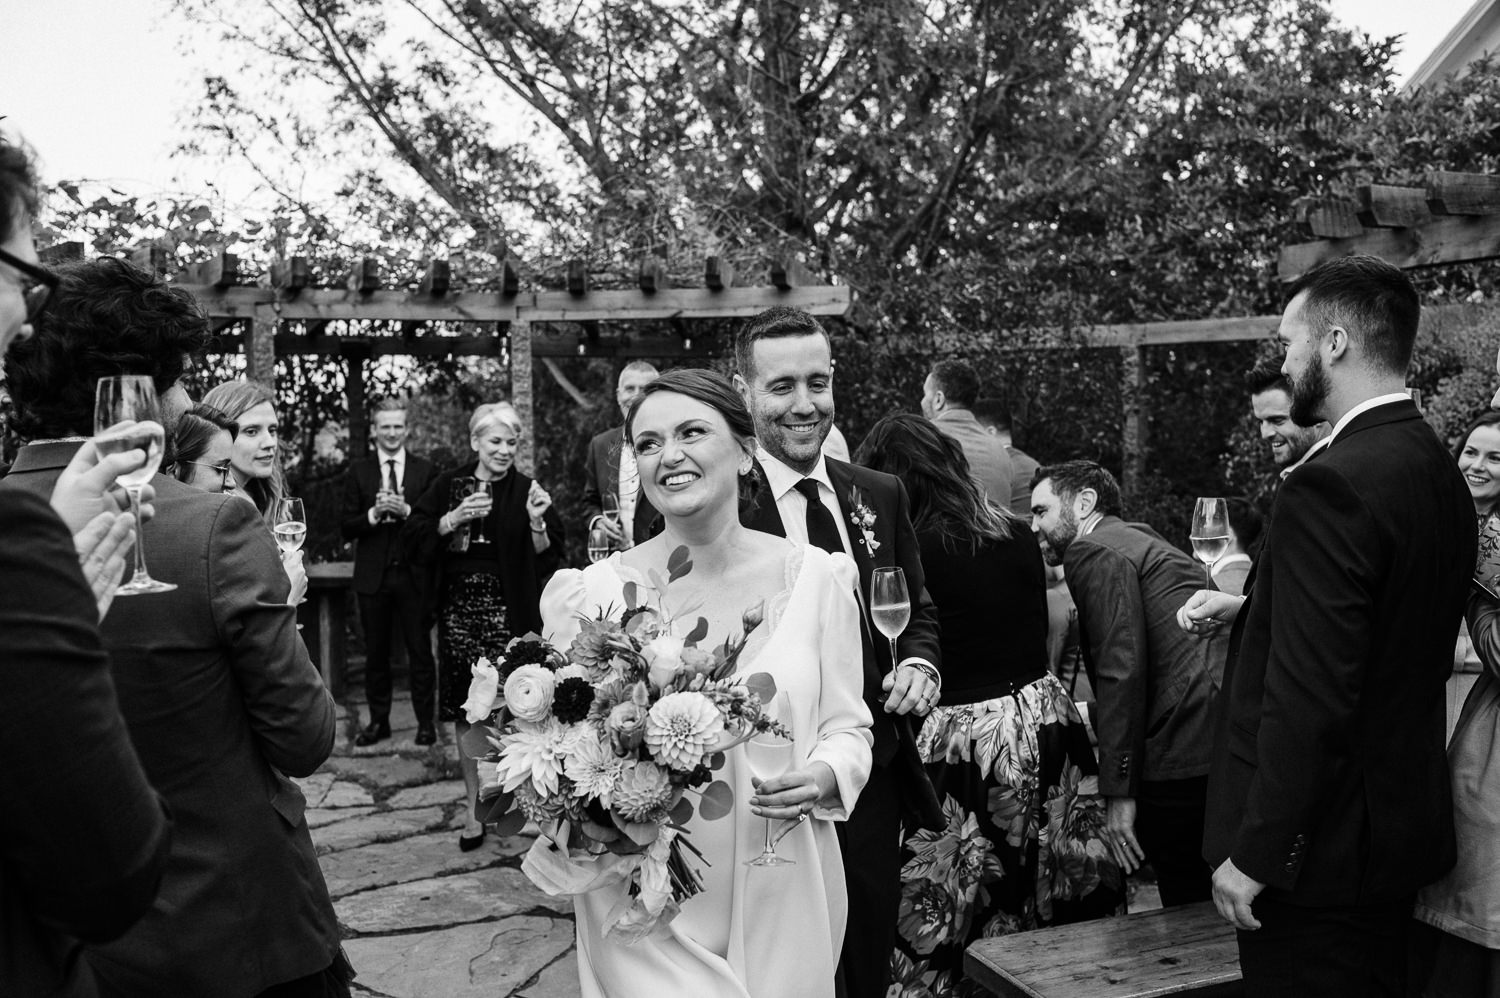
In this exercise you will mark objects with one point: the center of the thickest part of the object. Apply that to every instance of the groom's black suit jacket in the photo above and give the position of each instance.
(895, 546)
(1329, 779)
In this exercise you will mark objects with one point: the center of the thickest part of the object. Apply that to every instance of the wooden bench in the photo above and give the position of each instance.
(1184, 950)
(325, 618)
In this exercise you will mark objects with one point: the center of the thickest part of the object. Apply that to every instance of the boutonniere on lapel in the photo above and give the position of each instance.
(863, 518)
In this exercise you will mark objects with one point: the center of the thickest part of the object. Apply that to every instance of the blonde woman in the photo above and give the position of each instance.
(490, 538)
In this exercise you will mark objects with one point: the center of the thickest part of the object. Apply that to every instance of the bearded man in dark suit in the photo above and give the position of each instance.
(785, 374)
(1329, 801)
(378, 496)
(218, 694)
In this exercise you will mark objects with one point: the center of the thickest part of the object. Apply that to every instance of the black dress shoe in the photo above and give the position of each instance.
(426, 735)
(375, 731)
(468, 843)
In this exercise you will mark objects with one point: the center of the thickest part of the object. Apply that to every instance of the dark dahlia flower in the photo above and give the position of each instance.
(572, 699)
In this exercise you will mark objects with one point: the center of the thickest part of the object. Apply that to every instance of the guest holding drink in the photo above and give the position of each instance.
(256, 459)
(1008, 753)
(1457, 940)
(202, 448)
(490, 535)
(755, 931)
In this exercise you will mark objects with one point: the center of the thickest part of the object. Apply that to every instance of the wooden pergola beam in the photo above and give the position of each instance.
(313, 304)
(1444, 240)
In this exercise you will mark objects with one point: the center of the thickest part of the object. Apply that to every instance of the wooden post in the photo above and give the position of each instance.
(260, 347)
(520, 391)
(354, 395)
(1133, 400)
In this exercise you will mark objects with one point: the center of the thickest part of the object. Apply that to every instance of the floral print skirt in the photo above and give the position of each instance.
(1024, 844)
(471, 625)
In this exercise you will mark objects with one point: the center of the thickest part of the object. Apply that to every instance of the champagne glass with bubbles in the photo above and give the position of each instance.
(1210, 531)
(599, 542)
(131, 399)
(769, 755)
(890, 605)
(291, 524)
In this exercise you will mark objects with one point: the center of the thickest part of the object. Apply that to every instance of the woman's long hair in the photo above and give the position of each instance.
(195, 430)
(234, 399)
(945, 498)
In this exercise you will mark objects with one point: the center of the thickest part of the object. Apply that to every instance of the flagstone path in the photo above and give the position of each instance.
(421, 919)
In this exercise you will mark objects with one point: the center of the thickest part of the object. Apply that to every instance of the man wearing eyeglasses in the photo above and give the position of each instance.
(67, 874)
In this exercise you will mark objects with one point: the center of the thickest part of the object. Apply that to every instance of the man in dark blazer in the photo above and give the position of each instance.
(1154, 686)
(785, 374)
(216, 688)
(609, 470)
(1329, 801)
(378, 496)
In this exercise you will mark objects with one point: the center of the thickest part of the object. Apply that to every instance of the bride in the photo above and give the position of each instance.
(766, 932)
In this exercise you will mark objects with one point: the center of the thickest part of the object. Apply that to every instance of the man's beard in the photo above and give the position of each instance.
(1059, 539)
(1309, 392)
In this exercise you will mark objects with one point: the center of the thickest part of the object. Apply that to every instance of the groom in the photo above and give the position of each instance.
(785, 374)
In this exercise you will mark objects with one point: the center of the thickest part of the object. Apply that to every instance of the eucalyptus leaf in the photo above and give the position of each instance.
(679, 563)
(682, 811)
(698, 633)
(476, 741)
(718, 801)
(717, 760)
(495, 808)
(762, 685)
(510, 823)
(632, 598)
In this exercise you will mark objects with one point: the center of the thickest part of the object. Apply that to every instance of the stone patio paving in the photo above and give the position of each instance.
(421, 919)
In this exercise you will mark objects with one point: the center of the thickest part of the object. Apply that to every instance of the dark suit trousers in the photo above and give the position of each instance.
(870, 842)
(1169, 824)
(1315, 952)
(397, 609)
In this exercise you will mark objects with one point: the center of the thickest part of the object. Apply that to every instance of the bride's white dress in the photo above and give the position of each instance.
(754, 932)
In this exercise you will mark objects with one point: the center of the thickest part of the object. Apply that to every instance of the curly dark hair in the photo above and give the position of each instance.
(1266, 375)
(18, 194)
(958, 382)
(107, 317)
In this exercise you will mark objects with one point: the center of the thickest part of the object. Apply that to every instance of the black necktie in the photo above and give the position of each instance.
(821, 528)
(390, 476)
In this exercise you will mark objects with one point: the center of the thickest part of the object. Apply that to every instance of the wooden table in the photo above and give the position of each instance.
(324, 619)
(1187, 949)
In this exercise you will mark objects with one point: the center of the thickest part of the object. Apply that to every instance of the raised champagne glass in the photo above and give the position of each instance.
(130, 399)
(769, 755)
(890, 605)
(476, 532)
(599, 542)
(1210, 532)
(291, 524)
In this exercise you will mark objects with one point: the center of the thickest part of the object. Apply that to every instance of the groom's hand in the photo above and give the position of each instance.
(911, 691)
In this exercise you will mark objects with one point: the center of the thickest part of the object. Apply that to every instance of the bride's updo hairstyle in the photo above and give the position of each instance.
(713, 390)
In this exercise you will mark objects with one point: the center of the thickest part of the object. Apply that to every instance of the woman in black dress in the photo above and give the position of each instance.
(1006, 748)
(491, 538)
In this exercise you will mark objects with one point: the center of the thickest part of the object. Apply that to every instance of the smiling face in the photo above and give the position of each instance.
(389, 430)
(1479, 463)
(688, 457)
(1273, 413)
(255, 448)
(790, 397)
(1054, 520)
(496, 442)
(204, 474)
(628, 388)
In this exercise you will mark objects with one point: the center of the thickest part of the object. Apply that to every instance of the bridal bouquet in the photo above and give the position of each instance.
(611, 747)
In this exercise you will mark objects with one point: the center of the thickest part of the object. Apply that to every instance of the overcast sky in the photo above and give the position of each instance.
(97, 86)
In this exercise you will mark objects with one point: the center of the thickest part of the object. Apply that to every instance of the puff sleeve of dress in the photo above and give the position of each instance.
(844, 721)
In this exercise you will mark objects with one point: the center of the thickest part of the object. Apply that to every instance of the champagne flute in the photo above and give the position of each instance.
(599, 542)
(890, 605)
(769, 755)
(1210, 532)
(611, 510)
(116, 400)
(476, 533)
(291, 524)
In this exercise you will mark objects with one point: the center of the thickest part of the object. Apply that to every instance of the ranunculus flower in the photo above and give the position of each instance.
(626, 725)
(681, 728)
(697, 661)
(483, 689)
(664, 658)
(642, 792)
(528, 692)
